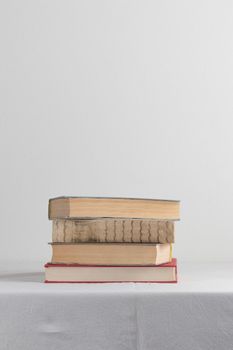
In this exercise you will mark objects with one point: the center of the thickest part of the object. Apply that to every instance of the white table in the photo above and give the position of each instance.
(197, 313)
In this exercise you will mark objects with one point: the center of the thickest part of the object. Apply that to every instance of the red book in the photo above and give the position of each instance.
(73, 273)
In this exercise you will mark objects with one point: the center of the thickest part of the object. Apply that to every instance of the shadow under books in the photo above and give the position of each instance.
(23, 277)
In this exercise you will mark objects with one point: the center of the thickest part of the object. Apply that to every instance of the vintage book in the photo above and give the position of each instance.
(111, 253)
(113, 230)
(89, 207)
(59, 273)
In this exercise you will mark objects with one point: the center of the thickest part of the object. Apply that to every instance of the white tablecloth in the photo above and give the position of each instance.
(197, 313)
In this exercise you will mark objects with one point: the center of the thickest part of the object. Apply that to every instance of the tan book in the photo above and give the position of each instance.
(113, 230)
(69, 273)
(88, 207)
(111, 253)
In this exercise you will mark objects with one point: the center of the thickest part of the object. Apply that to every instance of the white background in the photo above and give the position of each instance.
(117, 98)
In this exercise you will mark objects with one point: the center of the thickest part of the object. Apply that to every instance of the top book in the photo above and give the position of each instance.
(102, 207)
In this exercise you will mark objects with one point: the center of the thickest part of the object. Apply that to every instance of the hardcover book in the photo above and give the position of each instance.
(89, 207)
(111, 253)
(113, 230)
(166, 273)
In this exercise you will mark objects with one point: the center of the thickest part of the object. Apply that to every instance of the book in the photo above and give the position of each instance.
(113, 230)
(90, 207)
(166, 273)
(111, 253)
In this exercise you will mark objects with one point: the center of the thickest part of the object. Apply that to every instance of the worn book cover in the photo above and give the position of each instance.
(113, 230)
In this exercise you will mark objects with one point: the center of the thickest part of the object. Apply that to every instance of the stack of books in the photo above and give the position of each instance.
(112, 240)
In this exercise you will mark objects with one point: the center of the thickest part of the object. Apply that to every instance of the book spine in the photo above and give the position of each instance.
(113, 231)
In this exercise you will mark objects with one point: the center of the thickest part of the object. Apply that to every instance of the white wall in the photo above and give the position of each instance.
(117, 98)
